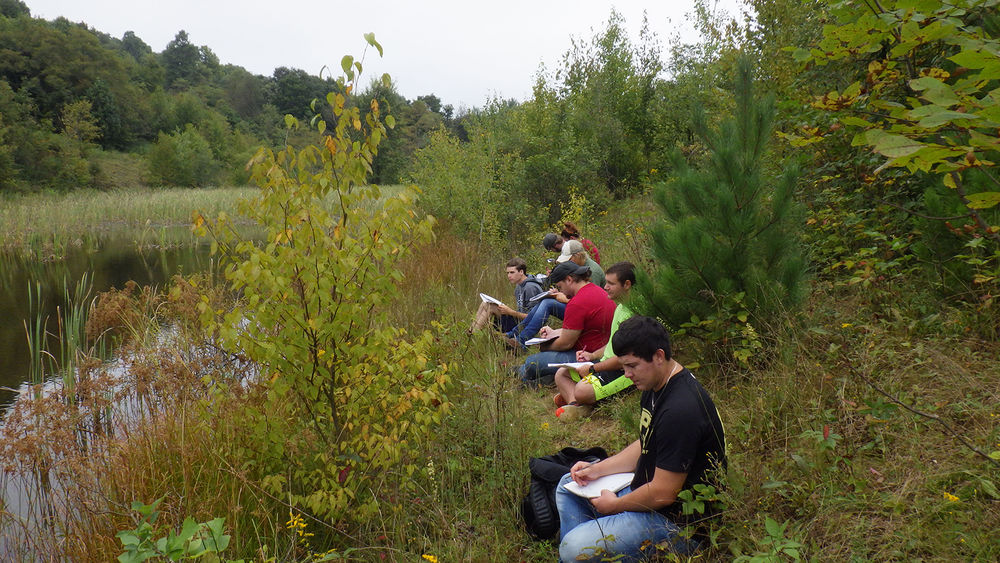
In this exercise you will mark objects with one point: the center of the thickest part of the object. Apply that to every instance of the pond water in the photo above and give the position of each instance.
(111, 264)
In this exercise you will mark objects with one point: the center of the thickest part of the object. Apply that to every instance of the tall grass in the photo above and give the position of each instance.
(848, 473)
(47, 224)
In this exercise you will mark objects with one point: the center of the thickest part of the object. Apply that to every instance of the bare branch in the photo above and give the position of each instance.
(947, 427)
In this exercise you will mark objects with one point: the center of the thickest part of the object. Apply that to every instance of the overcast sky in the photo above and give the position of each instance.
(464, 51)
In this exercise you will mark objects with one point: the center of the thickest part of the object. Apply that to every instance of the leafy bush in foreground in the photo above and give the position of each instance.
(348, 394)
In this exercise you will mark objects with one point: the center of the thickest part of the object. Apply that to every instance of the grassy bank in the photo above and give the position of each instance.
(825, 440)
(41, 223)
(839, 468)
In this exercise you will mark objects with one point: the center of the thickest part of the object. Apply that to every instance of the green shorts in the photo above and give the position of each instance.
(605, 383)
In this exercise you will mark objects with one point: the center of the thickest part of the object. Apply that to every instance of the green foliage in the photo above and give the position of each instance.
(775, 546)
(470, 184)
(194, 540)
(13, 9)
(182, 159)
(727, 246)
(78, 123)
(926, 102)
(348, 394)
(921, 92)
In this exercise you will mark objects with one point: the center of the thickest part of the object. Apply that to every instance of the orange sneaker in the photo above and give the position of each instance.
(559, 400)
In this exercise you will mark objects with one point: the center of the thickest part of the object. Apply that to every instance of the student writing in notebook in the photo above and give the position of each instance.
(680, 445)
(505, 318)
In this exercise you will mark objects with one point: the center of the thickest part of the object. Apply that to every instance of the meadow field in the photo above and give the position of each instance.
(863, 435)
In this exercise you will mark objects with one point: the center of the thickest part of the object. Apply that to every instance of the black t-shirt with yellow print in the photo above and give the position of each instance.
(680, 431)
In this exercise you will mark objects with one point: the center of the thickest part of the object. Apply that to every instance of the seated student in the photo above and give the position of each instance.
(552, 305)
(680, 443)
(556, 307)
(570, 232)
(552, 242)
(573, 250)
(604, 378)
(586, 325)
(525, 287)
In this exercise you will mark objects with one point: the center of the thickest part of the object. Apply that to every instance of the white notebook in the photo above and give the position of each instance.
(614, 483)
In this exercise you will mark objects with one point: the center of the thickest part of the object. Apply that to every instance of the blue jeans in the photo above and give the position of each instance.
(536, 370)
(536, 318)
(586, 535)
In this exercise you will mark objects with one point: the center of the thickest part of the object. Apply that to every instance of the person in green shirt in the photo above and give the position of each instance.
(601, 375)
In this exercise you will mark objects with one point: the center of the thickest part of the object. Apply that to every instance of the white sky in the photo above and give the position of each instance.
(463, 51)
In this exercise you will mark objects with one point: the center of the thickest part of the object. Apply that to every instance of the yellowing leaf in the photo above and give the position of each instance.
(984, 200)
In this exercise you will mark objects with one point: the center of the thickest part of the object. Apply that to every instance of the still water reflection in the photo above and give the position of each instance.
(113, 264)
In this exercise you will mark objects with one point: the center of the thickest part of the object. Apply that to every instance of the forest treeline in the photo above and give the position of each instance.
(890, 118)
(79, 108)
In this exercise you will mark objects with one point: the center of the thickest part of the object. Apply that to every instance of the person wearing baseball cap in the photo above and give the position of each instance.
(572, 250)
(586, 324)
(552, 242)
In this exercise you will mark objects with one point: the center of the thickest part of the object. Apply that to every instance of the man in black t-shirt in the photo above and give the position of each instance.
(680, 442)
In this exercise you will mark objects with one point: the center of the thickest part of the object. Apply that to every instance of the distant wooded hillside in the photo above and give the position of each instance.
(79, 108)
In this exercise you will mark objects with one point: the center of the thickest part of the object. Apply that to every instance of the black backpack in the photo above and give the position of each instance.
(539, 506)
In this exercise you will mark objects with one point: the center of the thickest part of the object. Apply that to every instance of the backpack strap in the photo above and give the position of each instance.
(544, 520)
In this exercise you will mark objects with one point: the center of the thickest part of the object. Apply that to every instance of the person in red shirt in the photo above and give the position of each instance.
(586, 324)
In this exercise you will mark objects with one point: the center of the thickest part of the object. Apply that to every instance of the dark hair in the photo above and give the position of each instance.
(570, 231)
(568, 269)
(624, 271)
(550, 240)
(518, 263)
(641, 337)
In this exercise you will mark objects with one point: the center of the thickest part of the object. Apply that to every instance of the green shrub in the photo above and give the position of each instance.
(348, 394)
(182, 159)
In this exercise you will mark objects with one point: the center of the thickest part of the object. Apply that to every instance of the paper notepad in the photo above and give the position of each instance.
(614, 483)
(533, 341)
(572, 365)
(541, 296)
(488, 299)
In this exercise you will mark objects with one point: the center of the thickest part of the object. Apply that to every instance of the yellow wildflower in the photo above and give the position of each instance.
(950, 497)
(430, 558)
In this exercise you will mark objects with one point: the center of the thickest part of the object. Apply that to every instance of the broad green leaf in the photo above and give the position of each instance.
(895, 146)
(974, 59)
(188, 528)
(801, 55)
(855, 121)
(370, 38)
(940, 116)
(935, 91)
(773, 528)
(984, 200)
(346, 63)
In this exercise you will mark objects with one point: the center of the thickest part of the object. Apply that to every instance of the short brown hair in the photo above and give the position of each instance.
(518, 263)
